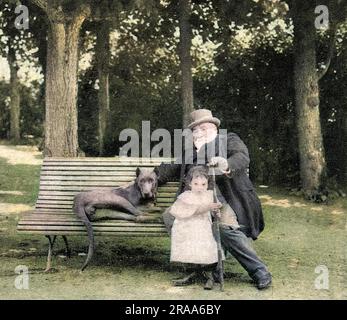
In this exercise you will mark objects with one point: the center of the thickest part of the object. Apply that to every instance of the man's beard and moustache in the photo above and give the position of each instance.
(203, 138)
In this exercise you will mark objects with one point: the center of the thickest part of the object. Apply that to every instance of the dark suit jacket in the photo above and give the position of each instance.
(237, 189)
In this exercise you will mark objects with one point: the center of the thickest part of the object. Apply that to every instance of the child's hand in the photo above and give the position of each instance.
(207, 207)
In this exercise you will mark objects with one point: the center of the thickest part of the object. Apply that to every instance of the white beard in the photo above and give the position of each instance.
(200, 141)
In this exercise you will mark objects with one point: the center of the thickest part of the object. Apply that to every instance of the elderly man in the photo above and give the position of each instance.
(241, 214)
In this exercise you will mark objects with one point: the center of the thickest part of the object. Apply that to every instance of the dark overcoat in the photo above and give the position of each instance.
(236, 188)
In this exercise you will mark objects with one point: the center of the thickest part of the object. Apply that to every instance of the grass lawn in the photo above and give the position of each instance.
(299, 236)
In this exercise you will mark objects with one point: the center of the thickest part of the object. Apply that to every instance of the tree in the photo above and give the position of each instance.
(344, 131)
(65, 20)
(10, 45)
(343, 117)
(312, 158)
(306, 77)
(14, 95)
(102, 53)
(61, 75)
(17, 45)
(186, 60)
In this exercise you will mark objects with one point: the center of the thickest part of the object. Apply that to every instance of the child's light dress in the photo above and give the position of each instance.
(192, 240)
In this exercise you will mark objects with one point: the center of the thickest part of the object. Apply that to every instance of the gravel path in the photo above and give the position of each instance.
(27, 155)
(21, 154)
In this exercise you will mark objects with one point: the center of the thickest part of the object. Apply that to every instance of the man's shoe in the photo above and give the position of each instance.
(264, 282)
(189, 279)
(209, 284)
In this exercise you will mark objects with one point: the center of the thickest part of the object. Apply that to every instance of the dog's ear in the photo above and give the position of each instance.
(138, 171)
(156, 171)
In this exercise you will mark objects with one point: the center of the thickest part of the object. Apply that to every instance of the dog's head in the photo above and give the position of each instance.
(147, 181)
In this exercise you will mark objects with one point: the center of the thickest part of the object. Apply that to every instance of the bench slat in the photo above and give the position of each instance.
(85, 183)
(73, 219)
(77, 222)
(169, 189)
(69, 201)
(109, 159)
(89, 168)
(88, 178)
(74, 188)
(106, 161)
(74, 165)
(158, 233)
(70, 212)
(70, 198)
(86, 173)
(53, 211)
(96, 228)
(55, 199)
(67, 194)
(77, 188)
(95, 224)
(59, 193)
(54, 205)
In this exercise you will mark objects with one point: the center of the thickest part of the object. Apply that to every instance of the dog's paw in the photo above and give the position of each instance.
(139, 213)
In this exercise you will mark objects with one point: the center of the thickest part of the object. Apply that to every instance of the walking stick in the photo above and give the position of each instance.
(216, 231)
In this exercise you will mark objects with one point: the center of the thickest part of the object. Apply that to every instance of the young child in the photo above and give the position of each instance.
(192, 240)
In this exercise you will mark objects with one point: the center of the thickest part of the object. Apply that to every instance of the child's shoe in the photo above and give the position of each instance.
(187, 280)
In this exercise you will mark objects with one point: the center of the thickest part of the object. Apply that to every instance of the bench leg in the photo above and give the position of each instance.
(51, 242)
(67, 248)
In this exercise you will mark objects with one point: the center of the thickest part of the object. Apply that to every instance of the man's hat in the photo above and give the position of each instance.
(201, 116)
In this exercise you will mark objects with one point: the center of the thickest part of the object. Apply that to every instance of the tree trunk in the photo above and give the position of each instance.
(102, 52)
(343, 134)
(186, 60)
(343, 128)
(15, 97)
(61, 138)
(344, 141)
(343, 122)
(312, 158)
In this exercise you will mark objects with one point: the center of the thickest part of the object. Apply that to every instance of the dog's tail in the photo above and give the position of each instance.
(79, 209)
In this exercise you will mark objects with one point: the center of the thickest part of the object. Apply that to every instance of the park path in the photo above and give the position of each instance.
(16, 155)
(21, 154)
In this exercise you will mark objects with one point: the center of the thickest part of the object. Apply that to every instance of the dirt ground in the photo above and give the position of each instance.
(300, 240)
(21, 154)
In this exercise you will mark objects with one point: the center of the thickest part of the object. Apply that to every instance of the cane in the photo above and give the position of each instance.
(216, 232)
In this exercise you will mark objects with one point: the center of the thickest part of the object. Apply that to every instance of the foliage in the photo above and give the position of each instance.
(242, 68)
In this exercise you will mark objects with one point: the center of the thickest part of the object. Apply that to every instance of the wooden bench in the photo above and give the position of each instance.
(62, 178)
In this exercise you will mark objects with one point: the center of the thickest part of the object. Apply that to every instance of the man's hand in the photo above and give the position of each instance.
(215, 206)
(217, 214)
(220, 163)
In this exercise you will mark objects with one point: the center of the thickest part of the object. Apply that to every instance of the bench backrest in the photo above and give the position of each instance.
(62, 178)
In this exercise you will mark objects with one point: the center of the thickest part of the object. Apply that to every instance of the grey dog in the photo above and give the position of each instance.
(125, 199)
